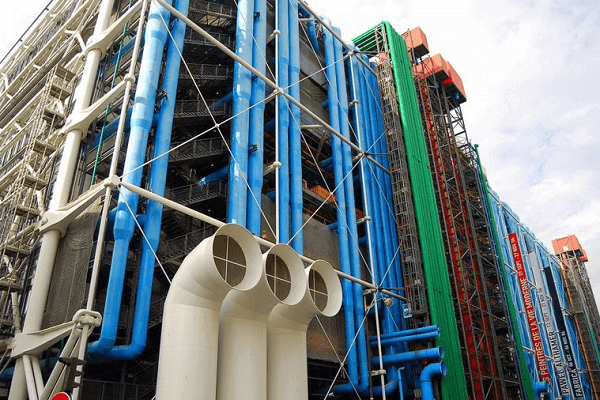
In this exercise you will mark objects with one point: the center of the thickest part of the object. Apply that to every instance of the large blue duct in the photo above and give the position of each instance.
(242, 86)
(283, 110)
(348, 298)
(157, 182)
(257, 119)
(295, 134)
(141, 122)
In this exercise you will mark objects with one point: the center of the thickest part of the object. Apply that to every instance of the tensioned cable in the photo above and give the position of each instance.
(354, 239)
(346, 356)
(147, 242)
(217, 124)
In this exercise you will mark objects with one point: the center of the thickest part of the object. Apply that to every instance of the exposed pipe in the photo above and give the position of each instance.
(287, 376)
(242, 86)
(312, 29)
(408, 332)
(541, 388)
(187, 366)
(411, 356)
(141, 122)
(242, 365)
(267, 81)
(402, 339)
(283, 112)
(427, 376)
(157, 177)
(350, 328)
(349, 220)
(295, 133)
(257, 117)
(218, 175)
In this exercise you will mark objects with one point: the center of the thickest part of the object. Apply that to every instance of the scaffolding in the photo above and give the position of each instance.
(491, 369)
(584, 314)
(412, 264)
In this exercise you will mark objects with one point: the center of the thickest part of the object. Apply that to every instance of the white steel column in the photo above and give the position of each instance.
(62, 186)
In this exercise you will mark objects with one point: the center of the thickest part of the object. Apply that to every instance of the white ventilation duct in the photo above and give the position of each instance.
(287, 326)
(230, 259)
(242, 367)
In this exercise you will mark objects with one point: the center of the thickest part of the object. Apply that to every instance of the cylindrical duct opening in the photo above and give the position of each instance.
(324, 287)
(230, 259)
(287, 369)
(242, 371)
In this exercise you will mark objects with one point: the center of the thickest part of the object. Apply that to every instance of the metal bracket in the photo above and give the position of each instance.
(80, 120)
(36, 342)
(378, 372)
(61, 218)
(102, 40)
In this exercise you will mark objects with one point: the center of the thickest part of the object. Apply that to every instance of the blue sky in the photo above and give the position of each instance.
(530, 71)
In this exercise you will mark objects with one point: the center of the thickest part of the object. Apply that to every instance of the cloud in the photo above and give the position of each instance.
(530, 73)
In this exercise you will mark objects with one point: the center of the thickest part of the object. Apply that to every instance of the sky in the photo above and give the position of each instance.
(530, 71)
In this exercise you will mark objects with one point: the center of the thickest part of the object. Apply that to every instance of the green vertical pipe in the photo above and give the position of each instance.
(430, 235)
(525, 375)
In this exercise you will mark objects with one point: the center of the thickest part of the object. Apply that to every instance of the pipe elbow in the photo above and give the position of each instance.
(427, 375)
(540, 388)
(433, 370)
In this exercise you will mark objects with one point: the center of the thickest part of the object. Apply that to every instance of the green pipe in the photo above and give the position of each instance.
(430, 235)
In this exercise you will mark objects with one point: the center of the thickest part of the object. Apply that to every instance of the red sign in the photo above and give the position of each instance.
(536, 337)
(61, 396)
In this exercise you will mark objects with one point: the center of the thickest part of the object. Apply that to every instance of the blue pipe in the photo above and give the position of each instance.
(284, 122)
(328, 162)
(218, 175)
(540, 388)
(141, 122)
(227, 99)
(410, 356)
(242, 86)
(411, 338)
(111, 128)
(408, 332)
(295, 134)
(427, 375)
(312, 28)
(348, 298)
(344, 129)
(157, 181)
(257, 119)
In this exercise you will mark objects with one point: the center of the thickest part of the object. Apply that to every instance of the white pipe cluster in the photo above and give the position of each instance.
(235, 320)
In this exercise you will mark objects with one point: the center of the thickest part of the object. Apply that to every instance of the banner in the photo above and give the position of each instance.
(536, 338)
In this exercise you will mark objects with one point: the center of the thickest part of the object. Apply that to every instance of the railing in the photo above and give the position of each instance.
(182, 245)
(196, 149)
(194, 193)
(206, 7)
(194, 38)
(198, 108)
(207, 71)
